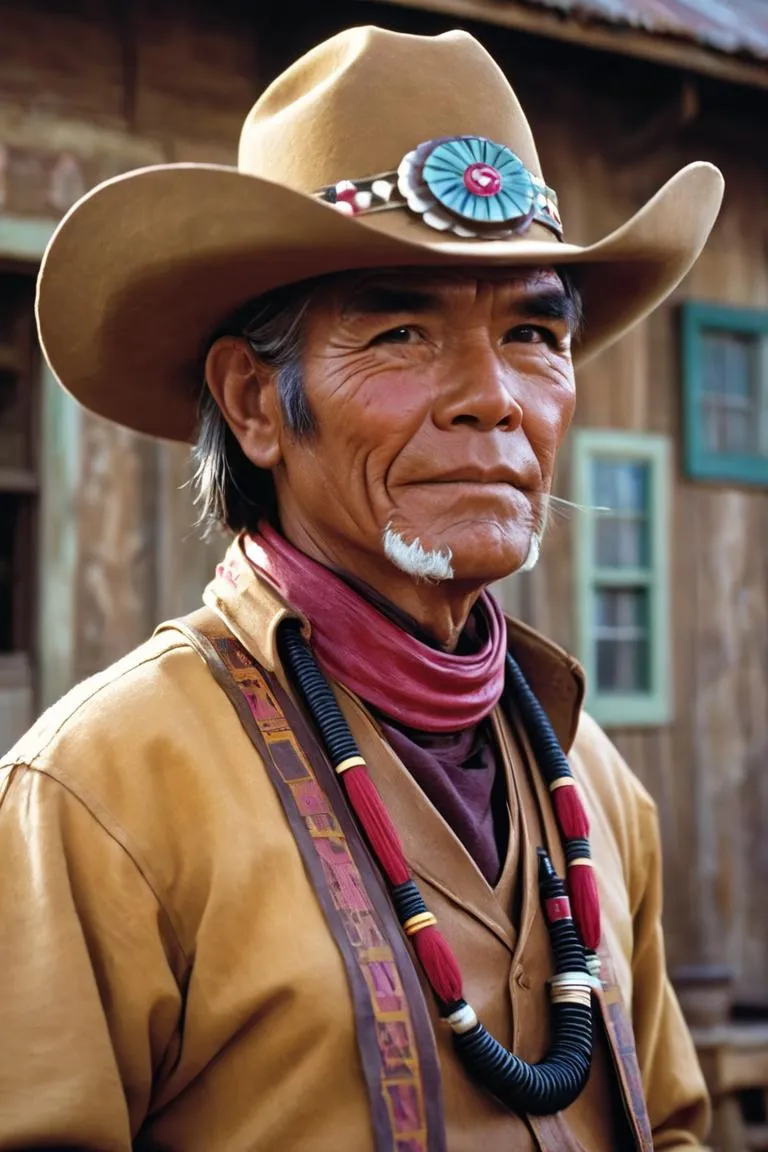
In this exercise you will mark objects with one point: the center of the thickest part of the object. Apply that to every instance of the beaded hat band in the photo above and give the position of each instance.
(467, 185)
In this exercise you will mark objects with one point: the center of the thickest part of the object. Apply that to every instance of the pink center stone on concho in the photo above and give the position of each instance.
(482, 180)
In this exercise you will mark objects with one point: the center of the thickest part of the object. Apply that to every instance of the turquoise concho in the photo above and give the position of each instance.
(474, 187)
(480, 181)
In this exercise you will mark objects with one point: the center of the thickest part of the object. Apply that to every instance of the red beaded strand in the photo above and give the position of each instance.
(435, 955)
(573, 824)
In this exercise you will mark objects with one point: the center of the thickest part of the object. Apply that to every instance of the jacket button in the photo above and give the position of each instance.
(522, 979)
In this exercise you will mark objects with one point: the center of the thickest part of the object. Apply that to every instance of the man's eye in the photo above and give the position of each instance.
(405, 334)
(530, 334)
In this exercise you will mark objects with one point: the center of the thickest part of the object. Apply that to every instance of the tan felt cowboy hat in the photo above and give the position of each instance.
(375, 149)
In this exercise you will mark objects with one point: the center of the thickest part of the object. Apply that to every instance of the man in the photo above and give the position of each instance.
(243, 909)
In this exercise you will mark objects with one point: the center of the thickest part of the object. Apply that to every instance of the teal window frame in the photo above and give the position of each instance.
(701, 463)
(24, 239)
(654, 706)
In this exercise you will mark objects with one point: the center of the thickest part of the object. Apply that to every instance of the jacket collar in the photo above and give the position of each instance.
(253, 611)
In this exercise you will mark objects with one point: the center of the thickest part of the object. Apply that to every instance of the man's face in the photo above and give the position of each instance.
(440, 401)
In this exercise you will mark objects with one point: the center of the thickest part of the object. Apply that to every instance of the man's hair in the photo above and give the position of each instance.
(230, 491)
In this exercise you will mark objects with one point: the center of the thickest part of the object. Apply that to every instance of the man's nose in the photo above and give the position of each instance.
(479, 391)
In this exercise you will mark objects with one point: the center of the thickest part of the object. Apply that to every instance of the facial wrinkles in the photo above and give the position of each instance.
(357, 378)
(363, 382)
(556, 400)
(342, 470)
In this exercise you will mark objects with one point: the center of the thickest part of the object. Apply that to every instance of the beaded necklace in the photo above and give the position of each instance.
(558, 1079)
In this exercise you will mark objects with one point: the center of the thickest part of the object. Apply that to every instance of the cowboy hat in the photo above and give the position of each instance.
(376, 149)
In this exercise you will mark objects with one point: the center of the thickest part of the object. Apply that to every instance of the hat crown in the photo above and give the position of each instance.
(356, 104)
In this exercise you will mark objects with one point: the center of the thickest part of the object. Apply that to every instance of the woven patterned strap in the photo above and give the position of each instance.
(624, 1055)
(394, 1031)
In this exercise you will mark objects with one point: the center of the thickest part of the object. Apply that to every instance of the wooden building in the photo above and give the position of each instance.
(664, 597)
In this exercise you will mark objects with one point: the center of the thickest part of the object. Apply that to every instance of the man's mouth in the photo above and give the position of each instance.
(494, 477)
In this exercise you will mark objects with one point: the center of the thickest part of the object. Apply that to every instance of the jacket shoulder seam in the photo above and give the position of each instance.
(114, 830)
(98, 688)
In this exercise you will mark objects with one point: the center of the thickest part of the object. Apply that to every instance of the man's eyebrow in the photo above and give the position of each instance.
(391, 300)
(381, 300)
(553, 304)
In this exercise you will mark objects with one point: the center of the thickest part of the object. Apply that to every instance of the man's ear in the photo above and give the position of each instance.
(246, 392)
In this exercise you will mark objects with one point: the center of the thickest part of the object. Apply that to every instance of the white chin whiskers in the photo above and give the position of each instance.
(415, 560)
(534, 551)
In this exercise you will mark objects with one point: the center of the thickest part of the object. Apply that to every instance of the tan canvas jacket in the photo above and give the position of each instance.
(168, 978)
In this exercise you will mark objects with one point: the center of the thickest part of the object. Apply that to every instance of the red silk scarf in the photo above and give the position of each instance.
(418, 686)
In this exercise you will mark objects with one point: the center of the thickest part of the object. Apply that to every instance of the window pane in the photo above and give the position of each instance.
(730, 405)
(632, 486)
(621, 535)
(728, 360)
(740, 365)
(740, 432)
(621, 543)
(622, 639)
(16, 572)
(17, 345)
(621, 485)
(623, 666)
(711, 424)
(13, 421)
(729, 425)
(621, 609)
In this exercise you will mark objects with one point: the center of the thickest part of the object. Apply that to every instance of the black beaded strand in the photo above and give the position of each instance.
(541, 1088)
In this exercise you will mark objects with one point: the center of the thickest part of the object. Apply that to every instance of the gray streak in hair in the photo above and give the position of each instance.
(229, 489)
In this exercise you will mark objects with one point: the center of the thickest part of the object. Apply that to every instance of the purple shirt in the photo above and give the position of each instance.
(461, 775)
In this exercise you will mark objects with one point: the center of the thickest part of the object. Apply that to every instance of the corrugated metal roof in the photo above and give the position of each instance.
(733, 26)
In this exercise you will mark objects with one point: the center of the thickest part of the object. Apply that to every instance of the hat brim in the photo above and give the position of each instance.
(148, 266)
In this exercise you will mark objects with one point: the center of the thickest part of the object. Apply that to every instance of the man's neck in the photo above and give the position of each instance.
(435, 612)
